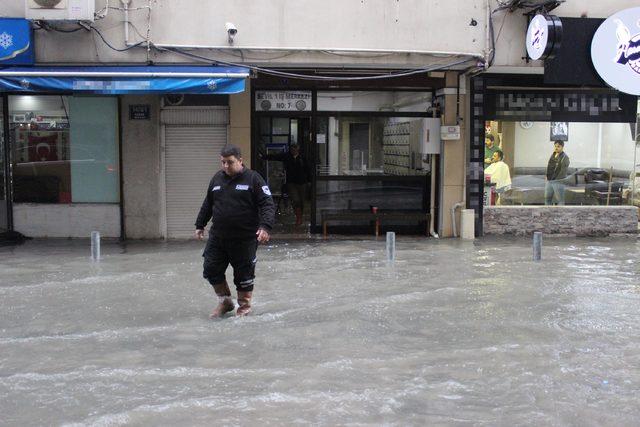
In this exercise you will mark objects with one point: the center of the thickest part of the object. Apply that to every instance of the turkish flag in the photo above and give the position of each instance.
(43, 148)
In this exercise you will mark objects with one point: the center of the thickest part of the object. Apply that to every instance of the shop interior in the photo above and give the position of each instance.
(365, 149)
(64, 149)
(603, 163)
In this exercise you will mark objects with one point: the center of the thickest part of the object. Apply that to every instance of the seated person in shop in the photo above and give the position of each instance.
(297, 176)
(499, 172)
(490, 147)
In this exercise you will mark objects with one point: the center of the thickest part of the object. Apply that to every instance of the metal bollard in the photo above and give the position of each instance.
(391, 246)
(537, 245)
(95, 245)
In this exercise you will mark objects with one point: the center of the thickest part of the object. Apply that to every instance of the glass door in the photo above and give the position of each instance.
(4, 172)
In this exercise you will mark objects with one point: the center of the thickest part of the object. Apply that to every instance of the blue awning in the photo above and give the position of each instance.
(124, 80)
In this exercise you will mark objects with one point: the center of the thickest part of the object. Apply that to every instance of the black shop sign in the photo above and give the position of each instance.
(139, 112)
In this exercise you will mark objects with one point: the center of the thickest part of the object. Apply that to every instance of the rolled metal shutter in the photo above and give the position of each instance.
(192, 156)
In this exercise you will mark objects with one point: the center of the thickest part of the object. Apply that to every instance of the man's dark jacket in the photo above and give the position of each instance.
(239, 205)
(558, 167)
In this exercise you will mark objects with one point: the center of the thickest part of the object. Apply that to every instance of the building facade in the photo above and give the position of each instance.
(367, 89)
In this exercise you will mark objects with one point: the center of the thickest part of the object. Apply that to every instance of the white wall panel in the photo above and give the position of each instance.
(66, 220)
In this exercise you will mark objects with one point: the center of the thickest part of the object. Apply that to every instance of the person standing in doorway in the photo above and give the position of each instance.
(297, 177)
(557, 170)
(242, 211)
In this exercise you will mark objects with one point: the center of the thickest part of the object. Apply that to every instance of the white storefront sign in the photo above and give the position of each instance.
(543, 36)
(615, 51)
(286, 100)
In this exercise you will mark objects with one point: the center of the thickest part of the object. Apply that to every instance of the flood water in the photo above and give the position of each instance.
(453, 333)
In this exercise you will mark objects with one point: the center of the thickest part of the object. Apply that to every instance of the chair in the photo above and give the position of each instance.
(597, 188)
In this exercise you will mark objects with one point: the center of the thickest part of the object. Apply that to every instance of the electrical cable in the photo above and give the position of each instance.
(42, 25)
(112, 47)
(132, 25)
(277, 73)
(512, 5)
(257, 58)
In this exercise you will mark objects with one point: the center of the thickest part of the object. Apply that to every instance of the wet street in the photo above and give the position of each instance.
(452, 333)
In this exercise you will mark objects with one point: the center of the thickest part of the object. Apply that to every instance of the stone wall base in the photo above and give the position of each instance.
(565, 220)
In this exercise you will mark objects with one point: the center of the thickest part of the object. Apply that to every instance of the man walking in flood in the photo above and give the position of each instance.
(242, 211)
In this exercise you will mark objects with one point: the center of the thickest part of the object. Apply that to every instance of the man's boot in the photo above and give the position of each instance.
(298, 212)
(244, 302)
(225, 303)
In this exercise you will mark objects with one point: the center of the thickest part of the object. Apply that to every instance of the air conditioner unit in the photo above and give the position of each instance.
(60, 10)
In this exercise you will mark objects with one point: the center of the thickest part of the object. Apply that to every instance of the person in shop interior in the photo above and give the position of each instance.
(490, 147)
(498, 170)
(557, 170)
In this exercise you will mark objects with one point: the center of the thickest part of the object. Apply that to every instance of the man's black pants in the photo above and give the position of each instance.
(240, 253)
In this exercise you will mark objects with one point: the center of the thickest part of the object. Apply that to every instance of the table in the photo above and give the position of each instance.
(377, 218)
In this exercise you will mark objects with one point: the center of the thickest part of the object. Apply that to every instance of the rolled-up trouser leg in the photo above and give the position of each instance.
(242, 254)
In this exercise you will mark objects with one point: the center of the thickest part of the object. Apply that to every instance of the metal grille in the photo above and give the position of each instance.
(186, 116)
(192, 156)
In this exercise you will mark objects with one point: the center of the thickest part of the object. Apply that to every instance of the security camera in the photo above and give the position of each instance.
(231, 31)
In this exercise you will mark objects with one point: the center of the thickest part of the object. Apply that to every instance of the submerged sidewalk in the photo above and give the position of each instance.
(452, 333)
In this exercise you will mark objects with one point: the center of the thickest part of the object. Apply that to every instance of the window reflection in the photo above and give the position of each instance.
(39, 129)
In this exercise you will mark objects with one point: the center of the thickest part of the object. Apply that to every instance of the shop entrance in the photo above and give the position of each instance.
(369, 156)
(276, 135)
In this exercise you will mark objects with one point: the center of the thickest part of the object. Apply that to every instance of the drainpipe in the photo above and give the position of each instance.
(453, 216)
(488, 49)
(125, 6)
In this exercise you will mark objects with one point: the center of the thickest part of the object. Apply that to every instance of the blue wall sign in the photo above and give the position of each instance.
(16, 42)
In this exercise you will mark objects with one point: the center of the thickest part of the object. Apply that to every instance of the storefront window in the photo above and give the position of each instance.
(558, 163)
(353, 145)
(64, 149)
(94, 150)
(361, 194)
